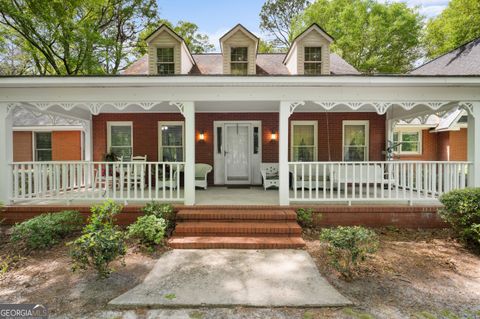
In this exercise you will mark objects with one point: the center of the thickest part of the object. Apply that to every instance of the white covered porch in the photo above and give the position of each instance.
(299, 182)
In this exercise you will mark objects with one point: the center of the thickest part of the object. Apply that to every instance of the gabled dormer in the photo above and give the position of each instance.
(309, 53)
(167, 53)
(239, 50)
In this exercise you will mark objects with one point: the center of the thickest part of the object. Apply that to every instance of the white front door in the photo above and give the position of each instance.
(237, 153)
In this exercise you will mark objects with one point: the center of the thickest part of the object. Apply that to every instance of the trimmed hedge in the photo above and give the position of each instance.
(46, 230)
(462, 211)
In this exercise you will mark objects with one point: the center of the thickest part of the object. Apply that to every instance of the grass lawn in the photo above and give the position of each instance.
(416, 274)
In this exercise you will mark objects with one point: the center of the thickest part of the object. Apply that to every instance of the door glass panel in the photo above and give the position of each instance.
(219, 140)
(255, 140)
(237, 159)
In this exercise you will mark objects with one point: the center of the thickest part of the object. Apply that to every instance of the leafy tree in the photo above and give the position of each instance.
(459, 23)
(78, 36)
(372, 36)
(270, 47)
(14, 60)
(196, 42)
(276, 18)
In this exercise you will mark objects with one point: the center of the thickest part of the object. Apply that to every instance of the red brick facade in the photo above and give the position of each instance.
(66, 146)
(145, 133)
(442, 146)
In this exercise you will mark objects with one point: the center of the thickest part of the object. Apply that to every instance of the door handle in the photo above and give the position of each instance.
(225, 153)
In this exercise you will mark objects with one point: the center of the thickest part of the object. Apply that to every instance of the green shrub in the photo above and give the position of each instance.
(163, 211)
(305, 217)
(349, 246)
(462, 211)
(46, 230)
(148, 229)
(101, 241)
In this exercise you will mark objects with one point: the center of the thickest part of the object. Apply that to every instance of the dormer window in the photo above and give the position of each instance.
(239, 61)
(313, 61)
(165, 61)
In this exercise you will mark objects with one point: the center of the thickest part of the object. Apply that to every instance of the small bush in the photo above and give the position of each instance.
(149, 230)
(46, 230)
(101, 241)
(305, 217)
(163, 211)
(349, 246)
(462, 211)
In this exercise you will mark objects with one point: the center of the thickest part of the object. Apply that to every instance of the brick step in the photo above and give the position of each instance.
(205, 242)
(236, 214)
(203, 228)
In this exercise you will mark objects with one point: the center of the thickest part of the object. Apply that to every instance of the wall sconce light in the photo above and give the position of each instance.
(273, 136)
(201, 136)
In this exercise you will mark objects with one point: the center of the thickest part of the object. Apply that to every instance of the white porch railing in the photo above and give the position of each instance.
(128, 181)
(375, 181)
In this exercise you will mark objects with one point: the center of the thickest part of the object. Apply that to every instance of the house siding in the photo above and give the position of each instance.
(239, 39)
(164, 40)
(313, 39)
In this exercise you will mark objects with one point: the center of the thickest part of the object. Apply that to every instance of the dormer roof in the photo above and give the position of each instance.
(166, 28)
(239, 28)
(313, 27)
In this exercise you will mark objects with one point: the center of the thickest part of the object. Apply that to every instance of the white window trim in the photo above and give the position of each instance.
(109, 133)
(238, 62)
(319, 62)
(34, 144)
(367, 137)
(400, 137)
(160, 145)
(157, 63)
(315, 137)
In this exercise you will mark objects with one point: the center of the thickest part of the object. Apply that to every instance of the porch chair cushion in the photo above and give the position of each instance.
(201, 172)
(269, 173)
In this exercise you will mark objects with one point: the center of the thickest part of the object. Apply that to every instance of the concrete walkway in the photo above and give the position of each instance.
(223, 277)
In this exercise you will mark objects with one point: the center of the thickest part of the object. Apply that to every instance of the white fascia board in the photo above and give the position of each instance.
(236, 81)
(48, 128)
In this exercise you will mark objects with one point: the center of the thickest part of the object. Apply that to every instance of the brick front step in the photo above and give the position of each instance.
(236, 214)
(209, 242)
(237, 229)
(221, 228)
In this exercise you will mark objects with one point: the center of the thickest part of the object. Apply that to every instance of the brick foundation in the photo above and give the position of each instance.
(331, 215)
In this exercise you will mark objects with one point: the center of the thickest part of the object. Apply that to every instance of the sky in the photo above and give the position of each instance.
(216, 17)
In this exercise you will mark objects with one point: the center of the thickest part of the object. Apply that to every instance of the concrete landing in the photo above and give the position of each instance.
(224, 277)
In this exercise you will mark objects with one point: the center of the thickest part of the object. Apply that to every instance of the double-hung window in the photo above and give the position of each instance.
(313, 61)
(165, 61)
(43, 146)
(119, 139)
(171, 141)
(355, 141)
(303, 141)
(239, 61)
(410, 142)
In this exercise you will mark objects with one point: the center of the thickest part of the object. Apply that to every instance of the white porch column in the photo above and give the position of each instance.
(6, 153)
(473, 146)
(189, 114)
(283, 171)
(88, 142)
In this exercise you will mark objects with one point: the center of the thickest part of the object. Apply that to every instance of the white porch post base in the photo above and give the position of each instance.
(189, 114)
(283, 191)
(6, 154)
(474, 145)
